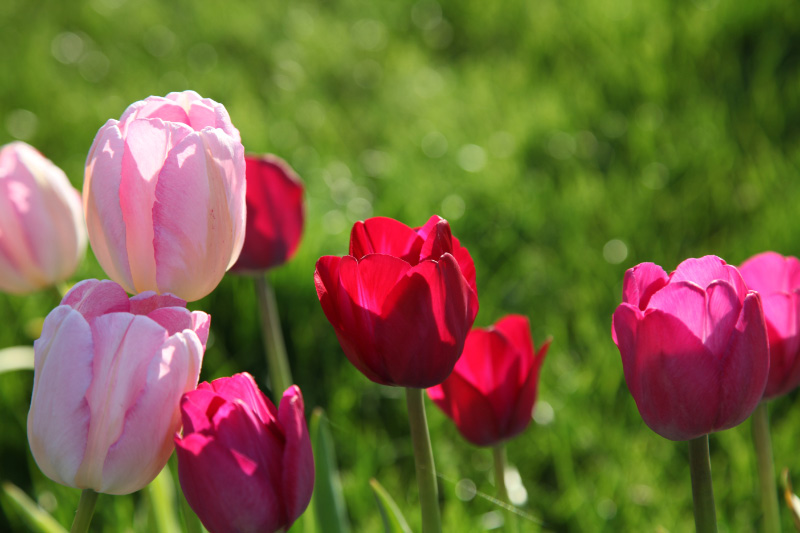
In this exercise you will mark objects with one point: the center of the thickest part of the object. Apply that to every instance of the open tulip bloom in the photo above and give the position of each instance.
(695, 355)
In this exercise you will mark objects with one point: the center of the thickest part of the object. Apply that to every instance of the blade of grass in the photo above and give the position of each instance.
(328, 502)
(35, 518)
(393, 519)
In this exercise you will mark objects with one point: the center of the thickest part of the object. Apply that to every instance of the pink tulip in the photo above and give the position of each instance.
(244, 466)
(402, 302)
(42, 234)
(694, 346)
(777, 280)
(109, 374)
(492, 389)
(164, 195)
(274, 214)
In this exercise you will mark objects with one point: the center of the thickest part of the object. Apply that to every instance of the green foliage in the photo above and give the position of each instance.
(565, 140)
(393, 520)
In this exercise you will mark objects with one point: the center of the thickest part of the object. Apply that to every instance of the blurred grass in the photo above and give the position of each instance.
(565, 141)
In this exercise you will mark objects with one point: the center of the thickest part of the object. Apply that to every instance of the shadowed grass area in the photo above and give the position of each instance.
(566, 141)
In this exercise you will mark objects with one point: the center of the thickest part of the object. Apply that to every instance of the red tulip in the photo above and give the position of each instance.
(402, 302)
(492, 389)
(693, 345)
(274, 214)
(244, 466)
(777, 280)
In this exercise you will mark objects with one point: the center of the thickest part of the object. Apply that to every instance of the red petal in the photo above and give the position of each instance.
(381, 235)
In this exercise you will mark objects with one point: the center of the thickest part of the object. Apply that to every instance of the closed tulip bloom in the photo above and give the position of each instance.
(244, 465)
(492, 390)
(693, 345)
(777, 279)
(274, 214)
(164, 195)
(402, 302)
(42, 233)
(109, 374)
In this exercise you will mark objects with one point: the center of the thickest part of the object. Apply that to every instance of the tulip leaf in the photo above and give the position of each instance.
(327, 501)
(162, 502)
(16, 358)
(35, 518)
(393, 520)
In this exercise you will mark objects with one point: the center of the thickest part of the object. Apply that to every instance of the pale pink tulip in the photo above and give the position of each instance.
(42, 234)
(164, 195)
(109, 375)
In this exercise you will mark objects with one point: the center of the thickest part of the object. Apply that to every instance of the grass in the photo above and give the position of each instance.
(566, 141)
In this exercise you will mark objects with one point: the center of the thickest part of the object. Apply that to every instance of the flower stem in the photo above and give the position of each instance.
(766, 468)
(423, 460)
(705, 516)
(280, 375)
(83, 516)
(499, 455)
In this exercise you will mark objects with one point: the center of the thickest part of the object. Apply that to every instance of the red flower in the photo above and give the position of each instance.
(244, 465)
(492, 390)
(274, 214)
(402, 302)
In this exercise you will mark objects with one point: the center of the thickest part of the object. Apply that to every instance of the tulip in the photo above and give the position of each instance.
(402, 302)
(693, 345)
(243, 464)
(492, 389)
(164, 195)
(274, 214)
(777, 280)
(109, 374)
(42, 233)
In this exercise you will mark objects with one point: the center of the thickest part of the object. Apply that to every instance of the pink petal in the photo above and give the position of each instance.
(641, 282)
(685, 301)
(782, 315)
(298, 461)
(706, 269)
(624, 330)
(242, 386)
(93, 298)
(145, 302)
(723, 313)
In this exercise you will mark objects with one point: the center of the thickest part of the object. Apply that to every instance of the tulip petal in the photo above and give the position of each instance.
(707, 269)
(523, 411)
(382, 235)
(58, 420)
(685, 301)
(517, 331)
(93, 298)
(624, 329)
(437, 237)
(470, 410)
(146, 302)
(745, 367)
(243, 387)
(770, 272)
(641, 282)
(466, 264)
(723, 313)
(782, 315)
(298, 460)
(326, 283)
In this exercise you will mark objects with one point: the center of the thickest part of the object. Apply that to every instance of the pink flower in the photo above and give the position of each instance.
(693, 345)
(274, 214)
(777, 280)
(492, 389)
(164, 195)
(42, 234)
(109, 373)
(244, 465)
(402, 302)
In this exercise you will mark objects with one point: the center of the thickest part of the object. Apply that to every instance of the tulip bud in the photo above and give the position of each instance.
(777, 281)
(274, 214)
(402, 302)
(244, 465)
(693, 345)
(492, 389)
(42, 233)
(164, 195)
(109, 374)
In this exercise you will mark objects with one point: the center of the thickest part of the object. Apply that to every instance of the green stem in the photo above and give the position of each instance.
(766, 468)
(705, 516)
(499, 455)
(423, 460)
(83, 516)
(280, 375)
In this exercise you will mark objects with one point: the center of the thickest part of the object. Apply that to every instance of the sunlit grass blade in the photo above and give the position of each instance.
(163, 504)
(15, 501)
(16, 358)
(393, 519)
(327, 502)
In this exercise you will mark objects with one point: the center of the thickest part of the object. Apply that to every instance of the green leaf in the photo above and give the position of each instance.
(16, 358)
(35, 518)
(163, 504)
(327, 501)
(393, 520)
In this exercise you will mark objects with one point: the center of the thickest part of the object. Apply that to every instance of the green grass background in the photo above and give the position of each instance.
(542, 130)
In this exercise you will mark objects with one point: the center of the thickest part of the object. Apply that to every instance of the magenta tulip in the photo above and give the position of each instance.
(402, 302)
(693, 345)
(109, 374)
(274, 214)
(777, 280)
(244, 466)
(492, 390)
(164, 195)
(42, 233)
